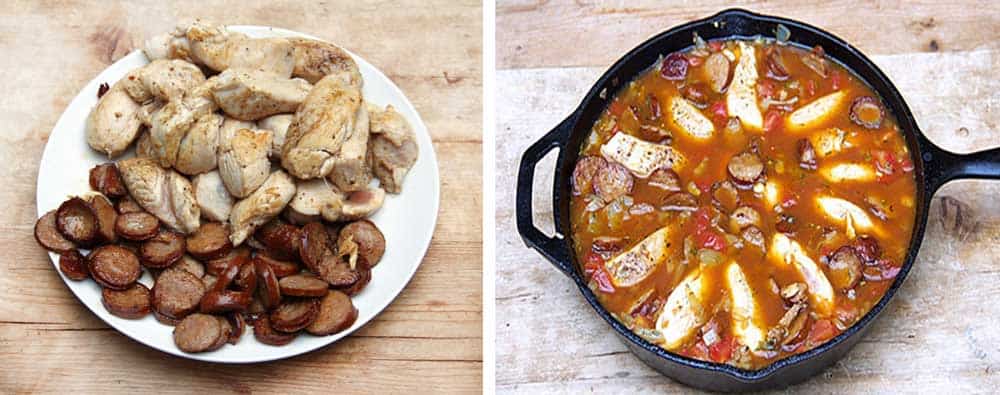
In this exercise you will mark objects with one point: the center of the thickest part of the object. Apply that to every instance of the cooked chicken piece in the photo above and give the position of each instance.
(311, 197)
(321, 125)
(278, 125)
(316, 59)
(231, 125)
(744, 312)
(252, 95)
(787, 251)
(355, 205)
(690, 120)
(635, 264)
(144, 147)
(197, 152)
(168, 80)
(772, 193)
(815, 112)
(640, 157)
(741, 98)
(171, 123)
(847, 213)
(841, 172)
(147, 110)
(350, 169)
(212, 46)
(213, 199)
(684, 312)
(243, 162)
(114, 123)
(170, 45)
(261, 206)
(269, 55)
(829, 141)
(392, 147)
(133, 85)
(183, 202)
(152, 187)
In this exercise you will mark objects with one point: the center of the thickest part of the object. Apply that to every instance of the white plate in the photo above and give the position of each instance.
(407, 219)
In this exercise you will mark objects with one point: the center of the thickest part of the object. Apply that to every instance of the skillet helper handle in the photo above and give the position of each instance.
(943, 166)
(552, 248)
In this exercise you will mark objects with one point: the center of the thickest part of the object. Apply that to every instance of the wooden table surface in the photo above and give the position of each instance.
(429, 338)
(940, 333)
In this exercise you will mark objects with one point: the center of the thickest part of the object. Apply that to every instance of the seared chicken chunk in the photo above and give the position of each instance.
(268, 55)
(243, 162)
(392, 147)
(252, 95)
(170, 124)
(684, 311)
(114, 123)
(316, 59)
(168, 80)
(320, 127)
(213, 199)
(278, 125)
(183, 202)
(261, 206)
(211, 46)
(164, 193)
(635, 264)
(197, 152)
(350, 169)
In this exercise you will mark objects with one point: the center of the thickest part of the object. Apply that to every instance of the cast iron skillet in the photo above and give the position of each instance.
(933, 168)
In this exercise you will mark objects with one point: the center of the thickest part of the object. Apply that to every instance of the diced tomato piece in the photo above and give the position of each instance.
(890, 272)
(722, 350)
(616, 108)
(711, 239)
(772, 120)
(697, 350)
(765, 88)
(701, 219)
(591, 263)
(846, 313)
(715, 46)
(695, 61)
(718, 110)
(906, 165)
(704, 185)
(603, 280)
(821, 331)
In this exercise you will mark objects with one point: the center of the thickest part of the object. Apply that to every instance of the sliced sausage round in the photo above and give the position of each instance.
(365, 238)
(177, 293)
(106, 179)
(294, 315)
(106, 216)
(336, 271)
(77, 222)
(584, 172)
(137, 226)
(47, 234)
(238, 324)
(867, 112)
(127, 205)
(210, 241)
(315, 245)
(228, 275)
(612, 182)
(73, 265)
(845, 268)
(164, 319)
(114, 266)
(265, 333)
(304, 285)
(132, 303)
(267, 284)
(726, 195)
(163, 250)
(717, 70)
(665, 179)
(336, 313)
(198, 333)
(807, 155)
(280, 239)
(743, 217)
(238, 257)
(226, 328)
(868, 249)
(224, 301)
(280, 268)
(190, 265)
(246, 280)
(745, 169)
(364, 277)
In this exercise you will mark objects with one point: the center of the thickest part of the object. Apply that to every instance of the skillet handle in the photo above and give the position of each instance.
(552, 248)
(943, 166)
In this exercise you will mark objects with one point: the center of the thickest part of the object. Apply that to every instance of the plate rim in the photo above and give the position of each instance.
(435, 197)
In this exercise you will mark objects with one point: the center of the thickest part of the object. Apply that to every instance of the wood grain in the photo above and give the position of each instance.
(938, 336)
(429, 338)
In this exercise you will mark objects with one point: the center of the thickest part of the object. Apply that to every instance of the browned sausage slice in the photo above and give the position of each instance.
(265, 333)
(665, 179)
(137, 226)
(164, 319)
(73, 265)
(293, 316)
(224, 301)
(612, 182)
(336, 313)
(132, 303)
(315, 245)
(364, 277)
(226, 331)
(745, 168)
(845, 268)
(210, 241)
(77, 222)
(246, 280)
(106, 179)
(106, 216)
(238, 257)
(127, 205)
(280, 268)
(47, 234)
(364, 238)
(198, 333)
(238, 324)
(114, 266)
(209, 281)
(584, 172)
(305, 285)
(177, 293)
(190, 265)
(163, 250)
(280, 239)
(267, 289)
(336, 271)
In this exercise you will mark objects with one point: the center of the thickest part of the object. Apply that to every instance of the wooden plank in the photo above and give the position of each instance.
(562, 33)
(430, 337)
(550, 341)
